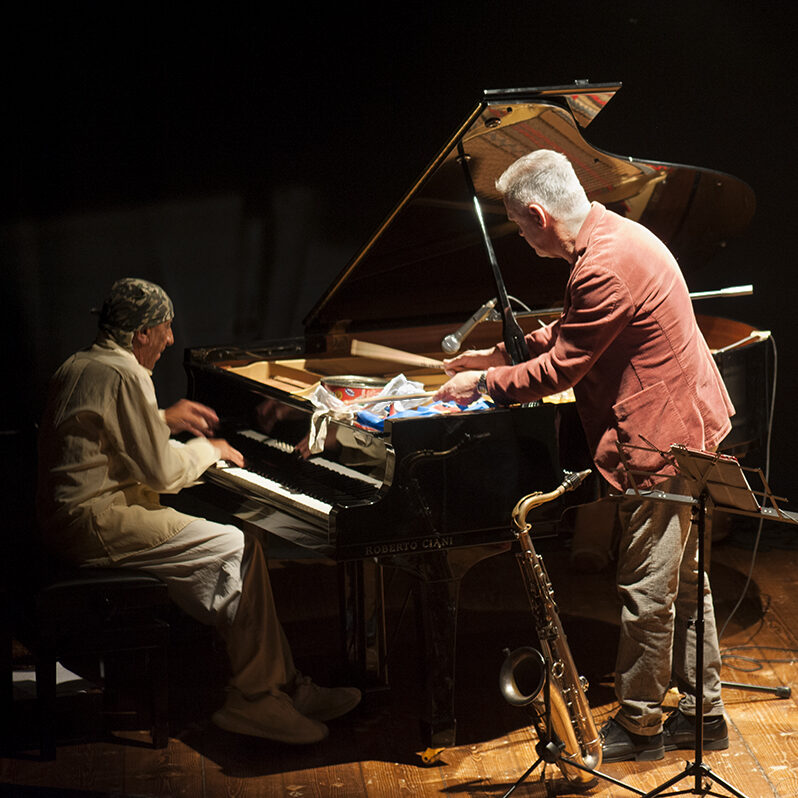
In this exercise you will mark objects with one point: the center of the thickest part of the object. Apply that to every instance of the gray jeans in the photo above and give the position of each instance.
(657, 582)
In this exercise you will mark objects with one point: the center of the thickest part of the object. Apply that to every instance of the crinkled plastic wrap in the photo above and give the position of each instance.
(330, 406)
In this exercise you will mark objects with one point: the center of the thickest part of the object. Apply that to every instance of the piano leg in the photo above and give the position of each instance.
(362, 604)
(437, 590)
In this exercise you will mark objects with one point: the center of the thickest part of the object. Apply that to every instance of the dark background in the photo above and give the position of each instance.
(240, 161)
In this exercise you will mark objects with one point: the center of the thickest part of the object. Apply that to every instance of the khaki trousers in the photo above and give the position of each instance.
(260, 656)
(657, 581)
(219, 576)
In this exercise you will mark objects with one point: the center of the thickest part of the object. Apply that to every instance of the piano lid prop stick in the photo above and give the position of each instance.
(513, 335)
(379, 352)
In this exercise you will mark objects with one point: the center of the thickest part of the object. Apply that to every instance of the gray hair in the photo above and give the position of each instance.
(547, 178)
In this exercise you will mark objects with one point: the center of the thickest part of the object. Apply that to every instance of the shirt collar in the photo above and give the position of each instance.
(594, 216)
(105, 341)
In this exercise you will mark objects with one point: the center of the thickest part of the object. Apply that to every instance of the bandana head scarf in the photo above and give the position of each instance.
(135, 304)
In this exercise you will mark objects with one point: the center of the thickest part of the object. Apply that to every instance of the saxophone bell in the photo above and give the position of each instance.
(522, 676)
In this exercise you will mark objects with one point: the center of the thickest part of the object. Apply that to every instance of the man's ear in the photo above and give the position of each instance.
(537, 214)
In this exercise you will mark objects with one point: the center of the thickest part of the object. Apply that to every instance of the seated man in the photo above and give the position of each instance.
(105, 453)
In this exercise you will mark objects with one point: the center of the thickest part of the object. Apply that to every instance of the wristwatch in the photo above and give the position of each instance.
(482, 383)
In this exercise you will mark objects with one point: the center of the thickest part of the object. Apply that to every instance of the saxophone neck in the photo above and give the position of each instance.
(525, 505)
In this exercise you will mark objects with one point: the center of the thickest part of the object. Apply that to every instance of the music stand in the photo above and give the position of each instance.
(736, 496)
(718, 479)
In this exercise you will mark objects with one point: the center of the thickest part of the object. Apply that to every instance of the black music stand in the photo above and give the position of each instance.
(718, 479)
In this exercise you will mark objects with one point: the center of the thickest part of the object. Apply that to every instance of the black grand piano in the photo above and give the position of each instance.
(434, 495)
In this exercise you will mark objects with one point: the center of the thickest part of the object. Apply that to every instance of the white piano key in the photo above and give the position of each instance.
(257, 481)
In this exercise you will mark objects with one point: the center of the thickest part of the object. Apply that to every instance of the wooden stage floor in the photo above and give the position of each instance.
(374, 752)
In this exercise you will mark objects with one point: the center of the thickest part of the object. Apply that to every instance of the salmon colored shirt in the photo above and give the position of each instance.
(104, 456)
(628, 343)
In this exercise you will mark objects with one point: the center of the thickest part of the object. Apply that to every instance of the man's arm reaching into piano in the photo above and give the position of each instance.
(465, 372)
(106, 453)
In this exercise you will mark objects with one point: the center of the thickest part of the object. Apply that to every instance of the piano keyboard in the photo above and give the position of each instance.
(274, 472)
(321, 462)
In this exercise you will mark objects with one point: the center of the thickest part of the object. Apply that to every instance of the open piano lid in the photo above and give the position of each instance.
(427, 262)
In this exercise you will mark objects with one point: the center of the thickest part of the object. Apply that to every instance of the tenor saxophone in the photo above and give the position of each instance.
(571, 727)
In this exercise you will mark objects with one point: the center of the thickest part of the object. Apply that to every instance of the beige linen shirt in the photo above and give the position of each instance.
(105, 454)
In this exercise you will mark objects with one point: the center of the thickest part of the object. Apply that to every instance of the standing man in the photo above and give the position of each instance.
(628, 343)
(105, 453)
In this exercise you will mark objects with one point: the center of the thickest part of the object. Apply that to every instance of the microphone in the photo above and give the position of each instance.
(451, 343)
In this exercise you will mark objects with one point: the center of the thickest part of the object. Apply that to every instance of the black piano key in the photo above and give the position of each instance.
(300, 475)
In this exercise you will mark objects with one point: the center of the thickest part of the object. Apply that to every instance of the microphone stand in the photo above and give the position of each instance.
(512, 333)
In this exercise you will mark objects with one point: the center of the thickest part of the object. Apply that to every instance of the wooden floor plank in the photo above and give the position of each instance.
(172, 771)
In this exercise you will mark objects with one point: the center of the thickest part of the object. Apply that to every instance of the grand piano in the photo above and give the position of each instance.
(433, 495)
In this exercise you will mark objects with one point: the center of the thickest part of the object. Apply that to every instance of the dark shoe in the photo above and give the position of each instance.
(620, 745)
(678, 731)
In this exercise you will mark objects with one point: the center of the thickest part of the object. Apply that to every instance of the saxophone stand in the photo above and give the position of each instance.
(549, 749)
(721, 480)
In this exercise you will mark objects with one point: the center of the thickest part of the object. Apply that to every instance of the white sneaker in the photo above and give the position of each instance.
(272, 716)
(323, 703)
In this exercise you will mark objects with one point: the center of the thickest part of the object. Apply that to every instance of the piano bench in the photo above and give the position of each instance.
(86, 614)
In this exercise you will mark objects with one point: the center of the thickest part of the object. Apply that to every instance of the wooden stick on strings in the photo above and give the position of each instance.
(379, 352)
(374, 400)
